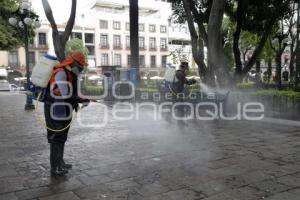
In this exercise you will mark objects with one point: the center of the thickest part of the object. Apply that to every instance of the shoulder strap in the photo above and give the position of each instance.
(58, 69)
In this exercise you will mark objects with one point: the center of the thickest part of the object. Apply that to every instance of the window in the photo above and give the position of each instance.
(103, 41)
(184, 30)
(117, 25)
(13, 58)
(76, 35)
(117, 41)
(128, 41)
(152, 43)
(163, 29)
(104, 59)
(141, 27)
(163, 43)
(142, 61)
(129, 60)
(31, 58)
(89, 38)
(91, 49)
(152, 28)
(142, 42)
(163, 61)
(153, 61)
(127, 26)
(42, 39)
(103, 24)
(118, 59)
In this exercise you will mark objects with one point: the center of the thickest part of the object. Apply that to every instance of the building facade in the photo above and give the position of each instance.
(104, 29)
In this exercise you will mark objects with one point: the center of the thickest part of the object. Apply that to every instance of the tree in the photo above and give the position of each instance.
(268, 54)
(188, 11)
(76, 45)
(216, 56)
(134, 33)
(258, 17)
(60, 40)
(255, 16)
(208, 16)
(10, 36)
(292, 23)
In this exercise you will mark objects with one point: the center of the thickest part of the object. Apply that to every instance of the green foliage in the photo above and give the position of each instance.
(260, 12)
(92, 90)
(278, 93)
(76, 45)
(227, 31)
(248, 40)
(11, 36)
(297, 88)
(246, 86)
(179, 15)
(268, 52)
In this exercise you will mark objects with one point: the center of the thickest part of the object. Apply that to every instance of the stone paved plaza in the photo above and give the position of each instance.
(148, 159)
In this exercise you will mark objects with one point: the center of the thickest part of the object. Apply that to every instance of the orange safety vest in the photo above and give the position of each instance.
(52, 81)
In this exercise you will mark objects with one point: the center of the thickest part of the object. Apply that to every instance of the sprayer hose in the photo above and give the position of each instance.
(44, 124)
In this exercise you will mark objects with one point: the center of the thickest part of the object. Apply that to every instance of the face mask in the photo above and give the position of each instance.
(77, 70)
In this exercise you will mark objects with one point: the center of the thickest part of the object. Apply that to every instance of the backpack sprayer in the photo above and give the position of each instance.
(40, 77)
(171, 79)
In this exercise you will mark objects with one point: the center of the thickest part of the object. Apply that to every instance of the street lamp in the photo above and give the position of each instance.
(24, 18)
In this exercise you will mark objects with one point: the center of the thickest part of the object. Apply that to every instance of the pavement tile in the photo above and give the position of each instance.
(152, 189)
(33, 193)
(149, 160)
(8, 196)
(61, 196)
(270, 186)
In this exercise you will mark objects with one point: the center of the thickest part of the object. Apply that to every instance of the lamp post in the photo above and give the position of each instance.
(24, 18)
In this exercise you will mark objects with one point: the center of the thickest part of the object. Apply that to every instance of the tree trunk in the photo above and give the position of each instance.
(216, 55)
(241, 11)
(278, 69)
(134, 34)
(269, 70)
(257, 74)
(292, 62)
(260, 46)
(197, 42)
(60, 40)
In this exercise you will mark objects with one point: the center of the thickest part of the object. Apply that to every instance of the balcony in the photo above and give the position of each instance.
(14, 65)
(118, 47)
(164, 48)
(152, 48)
(104, 46)
(143, 48)
(39, 46)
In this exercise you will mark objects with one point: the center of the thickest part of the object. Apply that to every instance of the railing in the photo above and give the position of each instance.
(102, 46)
(164, 48)
(118, 47)
(152, 48)
(142, 48)
(38, 46)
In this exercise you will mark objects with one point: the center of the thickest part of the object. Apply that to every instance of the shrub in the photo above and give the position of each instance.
(246, 86)
(278, 93)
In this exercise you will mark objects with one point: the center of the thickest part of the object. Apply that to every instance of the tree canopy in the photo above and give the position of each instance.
(10, 36)
(76, 45)
(252, 23)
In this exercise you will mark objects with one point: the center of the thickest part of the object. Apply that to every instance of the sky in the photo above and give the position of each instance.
(60, 8)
